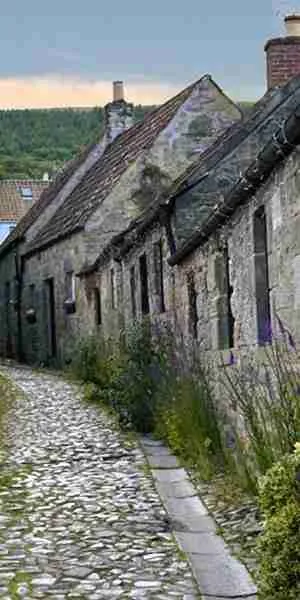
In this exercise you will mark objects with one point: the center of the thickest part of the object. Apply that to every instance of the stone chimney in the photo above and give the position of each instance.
(283, 54)
(118, 113)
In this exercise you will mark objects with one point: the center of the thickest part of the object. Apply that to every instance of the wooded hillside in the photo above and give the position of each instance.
(33, 142)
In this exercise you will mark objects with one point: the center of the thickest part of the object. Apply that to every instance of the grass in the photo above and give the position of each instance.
(8, 394)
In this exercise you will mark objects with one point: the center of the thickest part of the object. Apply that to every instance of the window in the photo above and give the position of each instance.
(159, 275)
(225, 328)
(112, 288)
(192, 299)
(97, 303)
(70, 286)
(144, 285)
(229, 292)
(133, 291)
(5, 229)
(26, 193)
(261, 271)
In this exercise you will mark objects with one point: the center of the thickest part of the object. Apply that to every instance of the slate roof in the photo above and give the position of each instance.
(233, 136)
(277, 107)
(17, 196)
(279, 146)
(47, 196)
(219, 169)
(106, 172)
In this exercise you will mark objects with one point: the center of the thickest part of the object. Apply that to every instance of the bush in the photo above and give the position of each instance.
(134, 384)
(187, 420)
(279, 547)
(91, 362)
(280, 485)
(126, 376)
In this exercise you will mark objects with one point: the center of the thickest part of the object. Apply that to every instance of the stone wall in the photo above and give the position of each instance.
(223, 275)
(281, 199)
(203, 273)
(126, 308)
(53, 263)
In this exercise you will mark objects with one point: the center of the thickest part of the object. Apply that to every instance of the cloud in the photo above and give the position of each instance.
(56, 91)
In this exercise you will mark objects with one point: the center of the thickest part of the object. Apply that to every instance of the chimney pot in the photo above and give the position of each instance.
(118, 91)
(292, 25)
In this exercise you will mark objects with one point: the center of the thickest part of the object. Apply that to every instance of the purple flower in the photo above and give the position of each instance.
(232, 358)
(230, 441)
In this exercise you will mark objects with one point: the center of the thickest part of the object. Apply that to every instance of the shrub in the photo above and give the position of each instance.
(186, 418)
(279, 547)
(125, 376)
(280, 485)
(133, 385)
(91, 361)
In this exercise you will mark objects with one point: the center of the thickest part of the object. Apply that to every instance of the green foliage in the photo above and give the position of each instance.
(246, 107)
(280, 485)
(33, 142)
(146, 380)
(91, 361)
(126, 375)
(187, 420)
(134, 382)
(279, 547)
(139, 379)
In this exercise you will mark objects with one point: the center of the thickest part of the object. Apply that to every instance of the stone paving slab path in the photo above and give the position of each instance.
(220, 575)
(80, 516)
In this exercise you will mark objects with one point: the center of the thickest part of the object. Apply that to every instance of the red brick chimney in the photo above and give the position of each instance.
(283, 54)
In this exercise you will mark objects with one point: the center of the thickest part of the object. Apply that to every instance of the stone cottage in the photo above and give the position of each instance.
(190, 217)
(218, 257)
(96, 197)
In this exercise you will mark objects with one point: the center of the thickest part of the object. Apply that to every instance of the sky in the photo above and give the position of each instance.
(67, 52)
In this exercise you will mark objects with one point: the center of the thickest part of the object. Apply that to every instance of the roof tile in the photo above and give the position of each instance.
(106, 172)
(15, 197)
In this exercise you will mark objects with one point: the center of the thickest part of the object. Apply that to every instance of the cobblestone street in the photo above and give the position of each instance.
(79, 516)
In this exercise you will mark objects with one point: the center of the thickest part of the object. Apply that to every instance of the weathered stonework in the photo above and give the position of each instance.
(280, 196)
(50, 335)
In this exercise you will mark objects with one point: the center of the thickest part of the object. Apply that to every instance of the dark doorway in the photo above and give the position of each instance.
(8, 319)
(51, 324)
(229, 315)
(97, 303)
(144, 285)
(263, 311)
(192, 299)
(159, 275)
(133, 291)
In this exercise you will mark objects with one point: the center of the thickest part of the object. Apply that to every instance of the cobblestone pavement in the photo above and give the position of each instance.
(80, 517)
